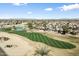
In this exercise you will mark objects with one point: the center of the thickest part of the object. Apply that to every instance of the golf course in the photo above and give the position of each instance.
(44, 39)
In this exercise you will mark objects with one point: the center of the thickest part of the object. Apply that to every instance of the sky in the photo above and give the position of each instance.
(39, 10)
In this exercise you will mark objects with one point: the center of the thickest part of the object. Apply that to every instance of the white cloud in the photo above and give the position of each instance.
(29, 12)
(48, 9)
(69, 7)
(19, 4)
(16, 4)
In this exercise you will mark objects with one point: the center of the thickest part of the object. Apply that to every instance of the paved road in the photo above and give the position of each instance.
(2, 53)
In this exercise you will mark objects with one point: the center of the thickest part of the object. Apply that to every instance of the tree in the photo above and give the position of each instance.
(44, 25)
(65, 28)
(30, 26)
(74, 30)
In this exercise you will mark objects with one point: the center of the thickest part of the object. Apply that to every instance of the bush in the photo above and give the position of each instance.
(43, 51)
(73, 33)
(6, 29)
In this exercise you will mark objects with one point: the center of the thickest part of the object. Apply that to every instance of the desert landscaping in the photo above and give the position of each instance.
(39, 38)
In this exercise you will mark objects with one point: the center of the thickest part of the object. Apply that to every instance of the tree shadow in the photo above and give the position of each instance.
(2, 52)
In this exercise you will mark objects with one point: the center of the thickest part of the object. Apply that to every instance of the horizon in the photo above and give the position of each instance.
(42, 19)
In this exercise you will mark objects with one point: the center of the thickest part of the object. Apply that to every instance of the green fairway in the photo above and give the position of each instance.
(44, 39)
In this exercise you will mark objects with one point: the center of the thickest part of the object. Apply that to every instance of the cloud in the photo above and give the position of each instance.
(16, 4)
(48, 9)
(19, 4)
(69, 7)
(29, 12)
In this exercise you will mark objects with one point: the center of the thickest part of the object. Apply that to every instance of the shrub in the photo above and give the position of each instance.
(43, 51)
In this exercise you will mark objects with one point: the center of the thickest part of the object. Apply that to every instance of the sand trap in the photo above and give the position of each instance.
(16, 45)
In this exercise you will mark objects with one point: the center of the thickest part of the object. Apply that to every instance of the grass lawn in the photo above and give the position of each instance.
(44, 39)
